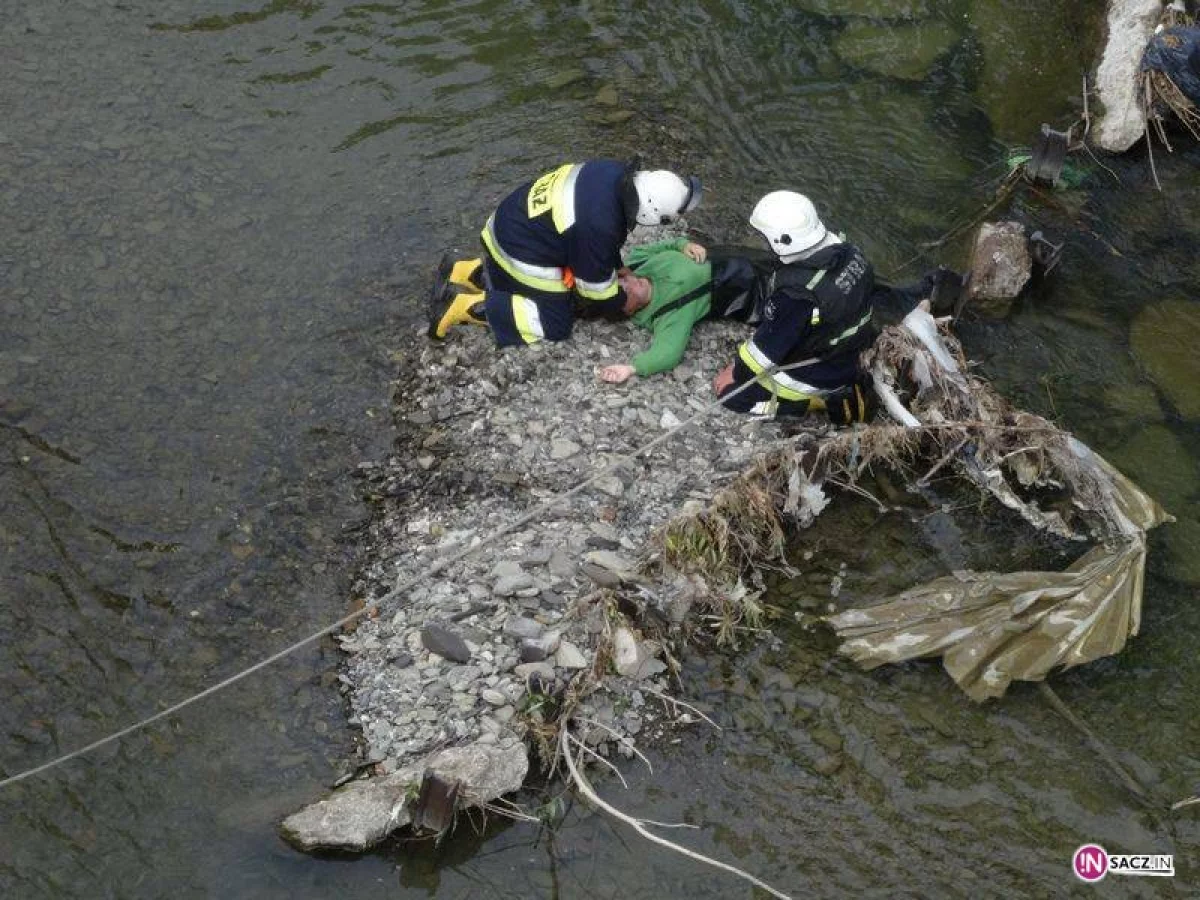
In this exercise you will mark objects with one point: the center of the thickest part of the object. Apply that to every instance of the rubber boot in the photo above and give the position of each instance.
(468, 273)
(451, 305)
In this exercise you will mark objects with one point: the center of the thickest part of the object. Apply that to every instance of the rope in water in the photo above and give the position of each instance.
(396, 592)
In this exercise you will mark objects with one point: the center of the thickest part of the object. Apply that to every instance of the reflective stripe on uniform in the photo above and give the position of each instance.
(554, 192)
(548, 279)
(779, 383)
(853, 329)
(528, 319)
(597, 290)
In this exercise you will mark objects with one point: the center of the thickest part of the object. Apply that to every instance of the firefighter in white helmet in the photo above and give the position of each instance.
(816, 319)
(552, 250)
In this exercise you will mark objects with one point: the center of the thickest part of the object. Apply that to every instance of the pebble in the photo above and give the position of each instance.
(561, 449)
(444, 642)
(522, 628)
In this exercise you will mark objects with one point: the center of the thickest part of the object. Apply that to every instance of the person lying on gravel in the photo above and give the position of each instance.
(681, 285)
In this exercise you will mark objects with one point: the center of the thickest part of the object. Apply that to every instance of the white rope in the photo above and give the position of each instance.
(585, 788)
(393, 594)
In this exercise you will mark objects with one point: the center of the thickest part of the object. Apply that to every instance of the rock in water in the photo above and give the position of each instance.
(1000, 266)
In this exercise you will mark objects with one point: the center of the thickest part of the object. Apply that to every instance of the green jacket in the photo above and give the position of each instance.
(672, 275)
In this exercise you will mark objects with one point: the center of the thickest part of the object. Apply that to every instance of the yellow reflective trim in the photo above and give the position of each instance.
(589, 290)
(780, 384)
(853, 329)
(816, 279)
(547, 195)
(527, 319)
(546, 285)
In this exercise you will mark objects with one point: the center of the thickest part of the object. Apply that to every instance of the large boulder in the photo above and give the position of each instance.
(1000, 266)
(360, 815)
(1131, 24)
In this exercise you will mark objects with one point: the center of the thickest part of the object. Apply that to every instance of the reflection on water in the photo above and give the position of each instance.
(217, 214)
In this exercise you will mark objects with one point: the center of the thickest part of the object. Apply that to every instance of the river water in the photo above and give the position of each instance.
(217, 220)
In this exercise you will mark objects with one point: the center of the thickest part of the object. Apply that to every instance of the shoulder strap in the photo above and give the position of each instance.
(679, 302)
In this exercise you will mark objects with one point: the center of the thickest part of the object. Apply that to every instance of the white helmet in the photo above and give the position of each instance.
(663, 195)
(789, 222)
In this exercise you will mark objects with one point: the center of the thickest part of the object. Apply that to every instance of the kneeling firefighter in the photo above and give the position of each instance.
(552, 251)
(816, 319)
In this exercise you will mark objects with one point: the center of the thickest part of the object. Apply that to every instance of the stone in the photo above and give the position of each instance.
(539, 556)
(536, 649)
(561, 565)
(522, 628)
(613, 562)
(1000, 266)
(875, 9)
(445, 643)
(355, 818)
(1036, 44)
(1121, 121)
(509, 585)
(1183, 545)
(1161, 464)
(507, 568)
(611, 485)
(895, 51)
(1164, 339)
(669, 420)
(563, 449)
(568, 656)
(829, 765)
(526, 671)
(493, 697)
(359, 815)
(533, 651)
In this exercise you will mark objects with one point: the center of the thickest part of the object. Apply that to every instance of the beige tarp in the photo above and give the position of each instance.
(992, 628)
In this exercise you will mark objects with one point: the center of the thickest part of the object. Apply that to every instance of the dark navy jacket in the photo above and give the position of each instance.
(571, 218)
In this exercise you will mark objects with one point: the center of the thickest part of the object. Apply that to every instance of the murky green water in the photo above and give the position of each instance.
(214, 217)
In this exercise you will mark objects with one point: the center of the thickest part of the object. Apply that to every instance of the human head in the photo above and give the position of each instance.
(636, 287)
(658, 197)
(789, 223)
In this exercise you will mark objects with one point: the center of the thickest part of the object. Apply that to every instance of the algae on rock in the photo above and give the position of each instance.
(873, 9)
(895, 51)
(1031, 62)
(1164, 338)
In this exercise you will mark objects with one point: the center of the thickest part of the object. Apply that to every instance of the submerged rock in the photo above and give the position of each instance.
(1161, 464)
(1164, 339)
(875, 9)
(895, 51)
(1032, 62)
(1183, 543)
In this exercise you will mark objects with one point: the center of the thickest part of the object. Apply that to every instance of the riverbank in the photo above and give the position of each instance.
(548, 623)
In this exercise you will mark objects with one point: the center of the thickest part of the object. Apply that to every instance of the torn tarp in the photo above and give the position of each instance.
(992, 628)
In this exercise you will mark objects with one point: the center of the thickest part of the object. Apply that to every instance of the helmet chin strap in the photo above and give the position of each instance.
(828, 241)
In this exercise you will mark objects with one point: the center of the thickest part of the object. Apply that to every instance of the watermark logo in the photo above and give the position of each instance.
(1092, 863)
